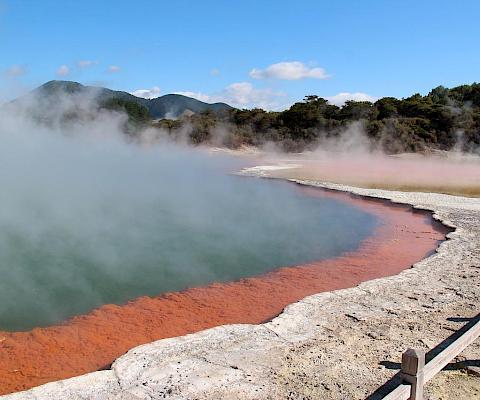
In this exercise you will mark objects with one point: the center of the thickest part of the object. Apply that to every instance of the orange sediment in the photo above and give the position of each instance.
(90, 342)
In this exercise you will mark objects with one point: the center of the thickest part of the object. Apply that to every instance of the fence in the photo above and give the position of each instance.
(415, 373)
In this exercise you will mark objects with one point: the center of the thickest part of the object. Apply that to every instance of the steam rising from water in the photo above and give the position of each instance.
(353, 158)
(456, 174)
(88, 219)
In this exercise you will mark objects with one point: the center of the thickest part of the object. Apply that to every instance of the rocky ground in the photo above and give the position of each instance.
(345, 344)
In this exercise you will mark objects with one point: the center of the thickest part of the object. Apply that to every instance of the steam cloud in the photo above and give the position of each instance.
(352, 158)
(76, 215)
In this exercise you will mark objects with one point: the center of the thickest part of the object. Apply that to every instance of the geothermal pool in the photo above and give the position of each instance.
(98, 232)
(83, 228)
(106, 245)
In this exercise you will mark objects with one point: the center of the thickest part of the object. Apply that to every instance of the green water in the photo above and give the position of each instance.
(110, 229)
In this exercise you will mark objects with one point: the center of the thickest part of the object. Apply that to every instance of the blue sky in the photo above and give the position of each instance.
(248, 53)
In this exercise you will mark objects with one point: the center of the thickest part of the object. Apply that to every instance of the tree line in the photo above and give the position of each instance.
(443, 119)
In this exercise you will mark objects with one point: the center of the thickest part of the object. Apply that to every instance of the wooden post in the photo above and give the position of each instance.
(413, 362)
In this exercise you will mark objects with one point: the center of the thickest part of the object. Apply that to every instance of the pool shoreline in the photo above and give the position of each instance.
(48, 354)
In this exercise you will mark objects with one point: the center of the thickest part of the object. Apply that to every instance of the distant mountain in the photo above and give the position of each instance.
(167, 106)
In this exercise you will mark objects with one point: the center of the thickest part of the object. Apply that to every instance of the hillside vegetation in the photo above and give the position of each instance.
(443, 119)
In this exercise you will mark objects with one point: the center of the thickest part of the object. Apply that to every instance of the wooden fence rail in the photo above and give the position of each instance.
(415, 373)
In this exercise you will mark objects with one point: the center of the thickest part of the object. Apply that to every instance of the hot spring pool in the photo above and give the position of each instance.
(91, 226)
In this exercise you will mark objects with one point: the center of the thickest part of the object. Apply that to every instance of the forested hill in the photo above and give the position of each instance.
(443, 119)
(170, 105)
